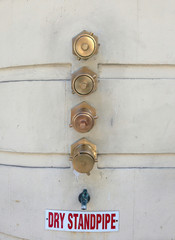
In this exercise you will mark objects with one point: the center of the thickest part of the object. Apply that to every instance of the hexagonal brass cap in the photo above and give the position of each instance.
(82, 117)
(83, 155)
(85, 45)
(83, 81)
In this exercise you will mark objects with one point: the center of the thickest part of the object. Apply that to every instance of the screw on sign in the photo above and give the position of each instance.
(82, 221)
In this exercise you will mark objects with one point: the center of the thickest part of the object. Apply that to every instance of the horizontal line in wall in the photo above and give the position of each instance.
(35, 80)
(136, 160)
(8, 151)
(66, 168)
(67, 80)
(139, 78)
(136, 71)
(135, 154)
(9, 236)
(39, 167)
(62, 71)
(36, 160)
(56, 64)
(36, 72)
(137, 64)
(36, 66)
(135, 168)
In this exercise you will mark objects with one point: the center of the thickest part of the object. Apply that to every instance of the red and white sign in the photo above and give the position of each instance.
(82, 221)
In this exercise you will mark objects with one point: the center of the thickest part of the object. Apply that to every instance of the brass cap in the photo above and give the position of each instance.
(82, 117)
(83, 155)
(84, 81)
(85, 45)
(83, 163)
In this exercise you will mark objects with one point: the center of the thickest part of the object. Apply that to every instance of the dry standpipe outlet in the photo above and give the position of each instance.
(83, 117)
(85, 45)
(83, 156)
(84, 81)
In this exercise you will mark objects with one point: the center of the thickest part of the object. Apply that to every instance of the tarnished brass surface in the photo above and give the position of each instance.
(83, 155)
(84, 81)
(85, 45)
(82, 117)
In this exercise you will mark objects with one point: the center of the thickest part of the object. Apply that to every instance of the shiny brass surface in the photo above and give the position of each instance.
(84, 81)
(82, 117)
(85, 45)
(83, 155)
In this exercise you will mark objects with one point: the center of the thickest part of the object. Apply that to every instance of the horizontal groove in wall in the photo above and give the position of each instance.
(104, 160)
(32, 167)
(8, 151)
(50, 72)
(34, 65)
(34, 160)
(36, 72)
(140, 71)
(98, 168)
(136, 160)
(10, 237)
(34, 80)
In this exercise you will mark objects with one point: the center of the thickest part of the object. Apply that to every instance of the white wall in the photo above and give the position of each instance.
(135, 103)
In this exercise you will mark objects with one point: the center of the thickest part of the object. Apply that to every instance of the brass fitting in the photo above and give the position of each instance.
(84, 81)
(83, 155)
(82, 117)
(85, 45)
